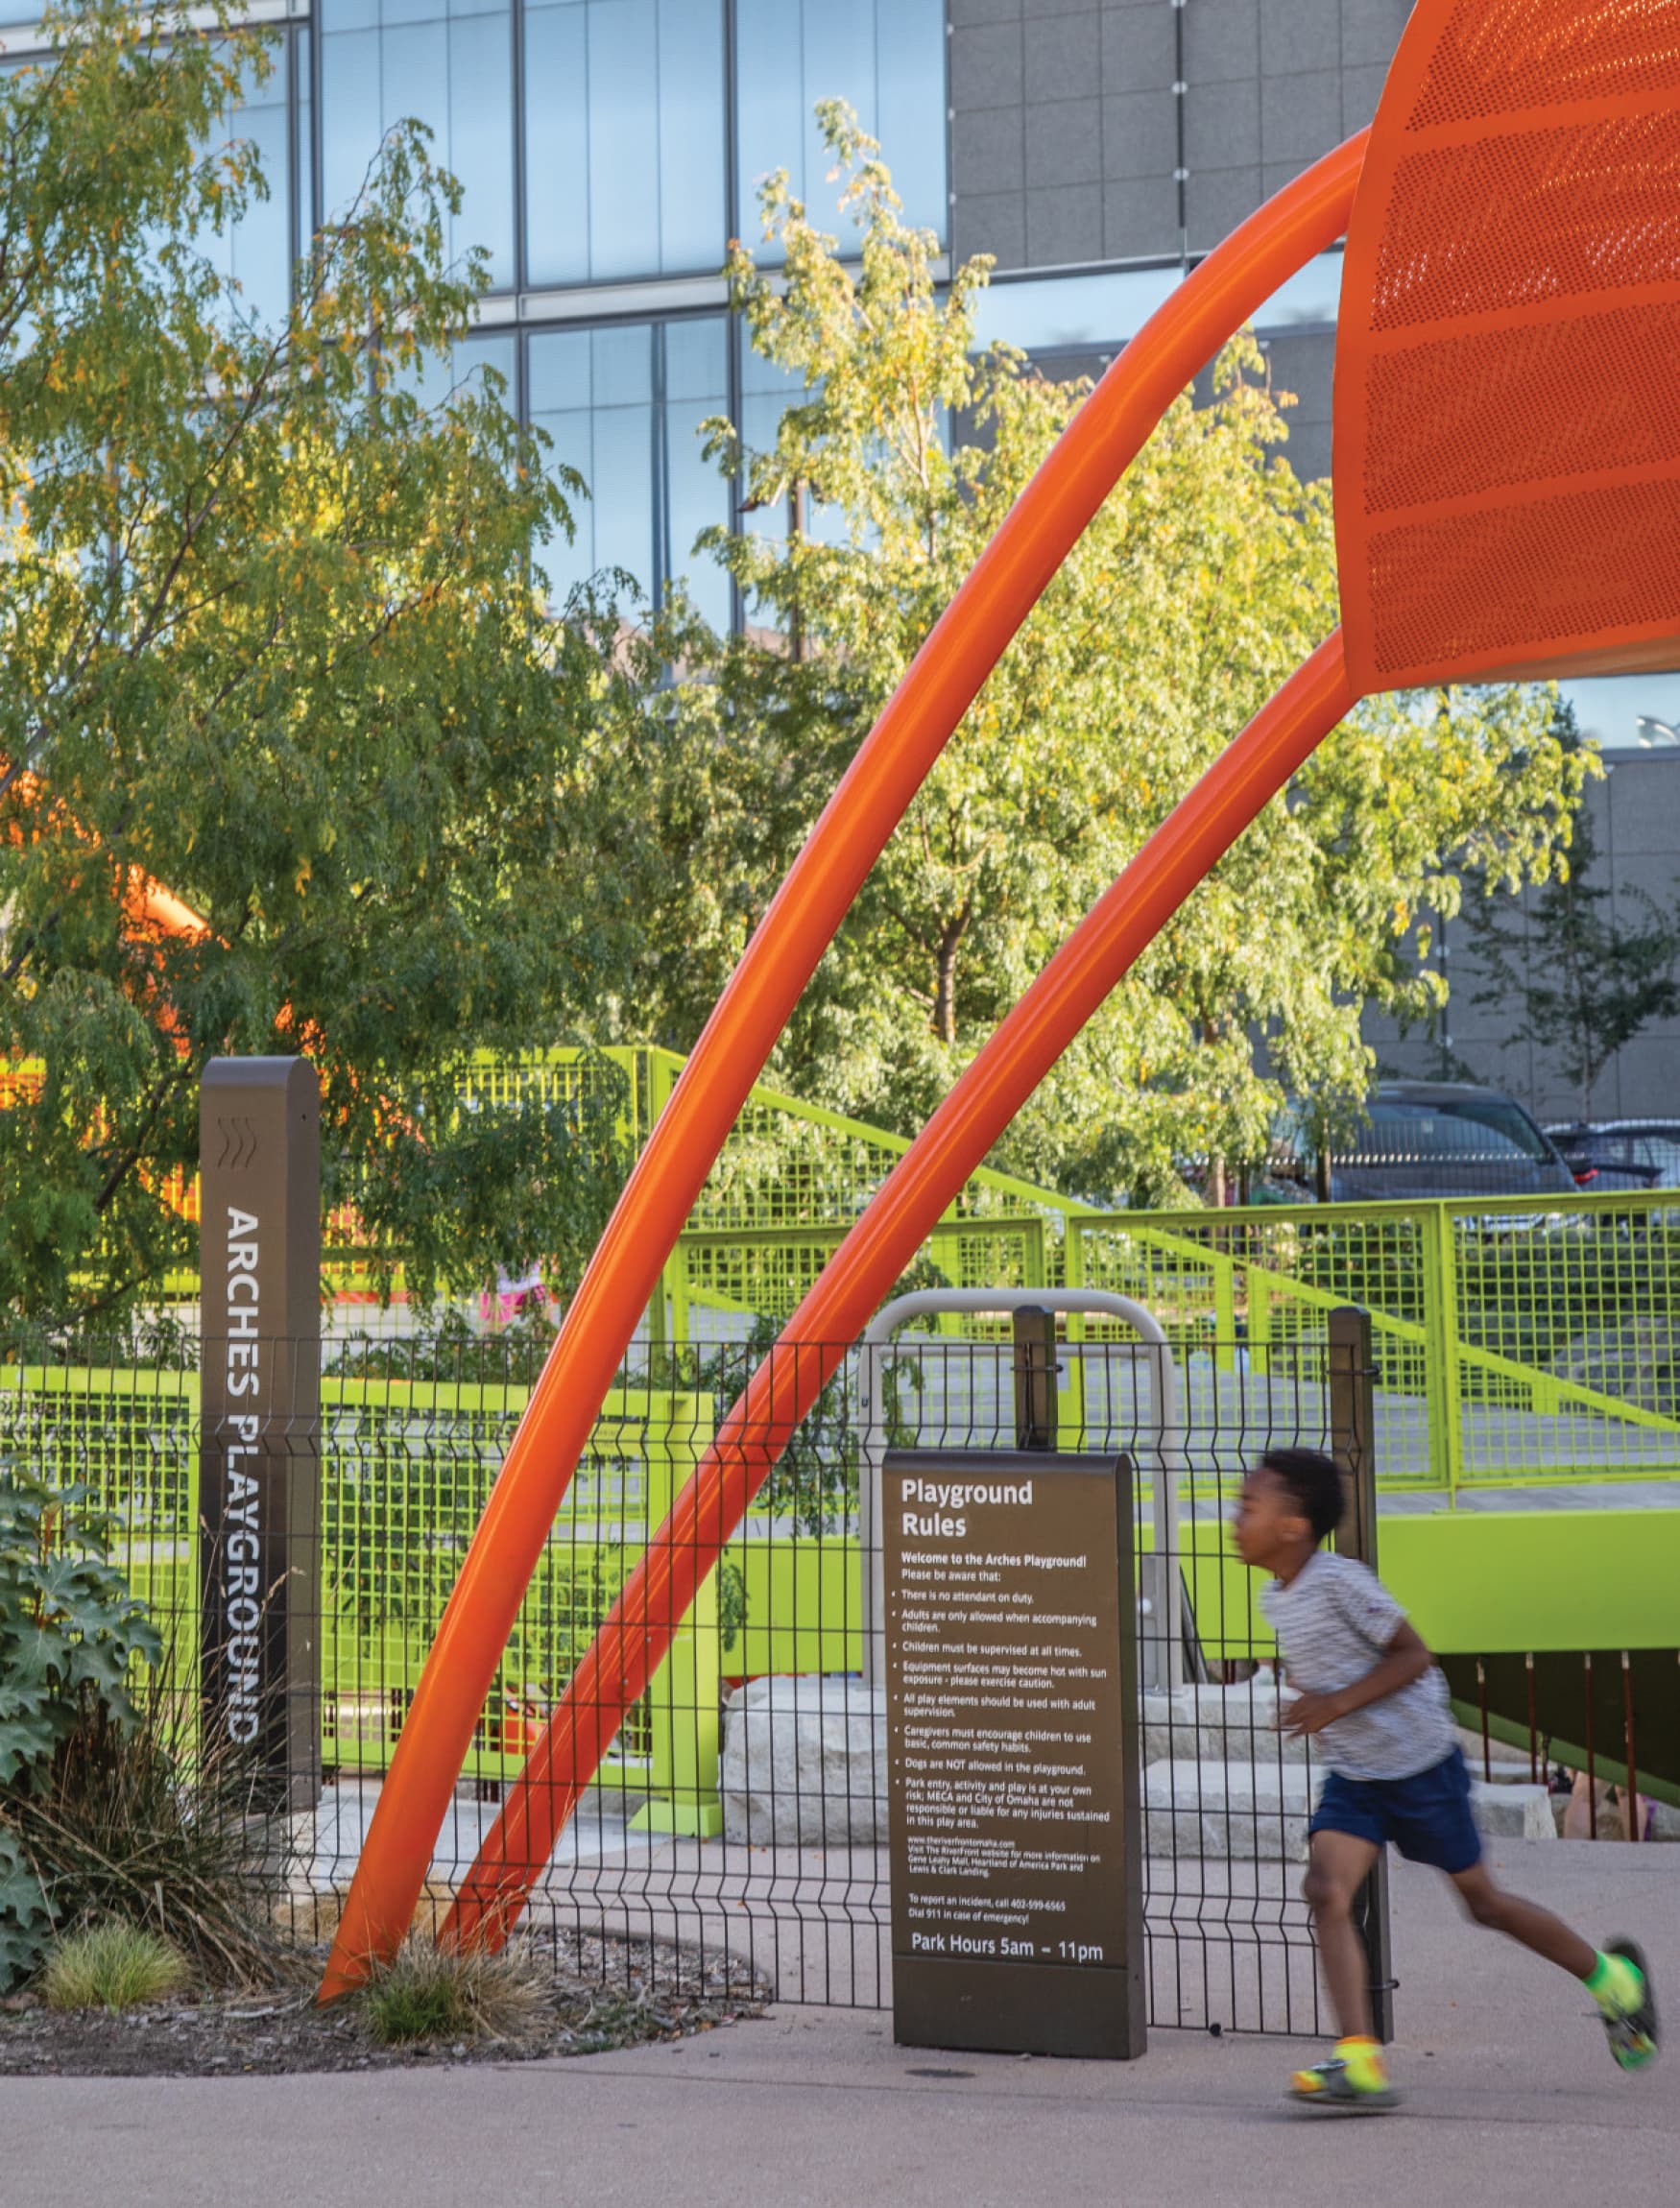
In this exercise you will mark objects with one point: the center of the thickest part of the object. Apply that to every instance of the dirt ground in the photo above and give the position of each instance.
(607, 1995)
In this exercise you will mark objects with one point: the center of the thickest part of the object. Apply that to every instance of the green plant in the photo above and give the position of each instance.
(111, 1966)
(26, 1922)
(732, 1605)
(427, 1992)
(289, 565)
(1575, 972)
(1206, 576)
(135, 1819)
(70, 1632)
(109, 1809)
(70, 1635)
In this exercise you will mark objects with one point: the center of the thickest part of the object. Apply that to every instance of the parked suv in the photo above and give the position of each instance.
(1621, 1153)
(1424, 1139)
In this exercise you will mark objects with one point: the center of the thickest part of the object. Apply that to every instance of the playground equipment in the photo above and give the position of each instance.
(1506, 465)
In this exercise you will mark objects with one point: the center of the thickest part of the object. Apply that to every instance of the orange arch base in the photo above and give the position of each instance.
(1097, 447)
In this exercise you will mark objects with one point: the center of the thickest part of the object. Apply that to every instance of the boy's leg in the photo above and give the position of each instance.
(1618, 1979)
(1525, 1921)
(1336, 1868)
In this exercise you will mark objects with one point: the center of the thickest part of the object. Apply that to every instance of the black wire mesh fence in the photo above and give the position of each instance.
(738, 1822)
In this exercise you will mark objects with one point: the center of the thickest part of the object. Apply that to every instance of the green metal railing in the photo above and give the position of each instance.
(1513, 1348)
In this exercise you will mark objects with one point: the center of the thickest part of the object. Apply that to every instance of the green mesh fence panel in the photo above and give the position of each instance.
(1511, 1347)
(406, 1469)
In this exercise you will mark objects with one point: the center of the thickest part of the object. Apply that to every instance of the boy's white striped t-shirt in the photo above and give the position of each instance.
(1333, 1623)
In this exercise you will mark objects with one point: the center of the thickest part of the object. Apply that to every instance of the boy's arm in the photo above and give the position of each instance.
(1407, 1658)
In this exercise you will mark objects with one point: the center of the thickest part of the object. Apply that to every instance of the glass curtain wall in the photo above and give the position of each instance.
(626, 133)
(448, 63)
(601, 142)
(624, 407)
(885, 57)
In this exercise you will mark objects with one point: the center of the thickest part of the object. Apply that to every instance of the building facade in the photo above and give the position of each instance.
(609, 149)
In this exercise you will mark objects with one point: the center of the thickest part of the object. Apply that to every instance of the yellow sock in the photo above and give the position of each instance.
(1366, 2068)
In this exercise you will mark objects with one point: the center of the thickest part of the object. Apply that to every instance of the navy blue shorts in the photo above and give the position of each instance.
(1427, 1817)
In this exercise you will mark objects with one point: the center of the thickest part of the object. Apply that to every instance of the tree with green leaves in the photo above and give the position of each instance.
(1583, 978)
(275, 641)
(1206, 578)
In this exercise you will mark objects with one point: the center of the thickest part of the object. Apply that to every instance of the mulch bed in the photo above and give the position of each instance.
(607, 1993)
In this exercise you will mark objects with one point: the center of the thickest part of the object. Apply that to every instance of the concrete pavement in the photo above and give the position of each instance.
(1512, 2100)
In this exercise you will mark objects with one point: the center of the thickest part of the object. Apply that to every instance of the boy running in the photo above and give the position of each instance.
(1374, 1702)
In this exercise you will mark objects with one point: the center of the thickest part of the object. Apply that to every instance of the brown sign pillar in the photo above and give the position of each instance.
(1012, 1725)
(259, 1471)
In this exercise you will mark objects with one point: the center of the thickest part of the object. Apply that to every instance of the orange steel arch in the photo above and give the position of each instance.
(1522, 191)
(637, 1632)
(1456, 68)
(1101, 442)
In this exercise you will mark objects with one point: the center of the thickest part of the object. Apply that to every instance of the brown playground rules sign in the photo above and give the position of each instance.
(1015, 1850)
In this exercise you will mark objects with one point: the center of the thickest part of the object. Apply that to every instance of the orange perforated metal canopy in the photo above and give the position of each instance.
(1507, 404)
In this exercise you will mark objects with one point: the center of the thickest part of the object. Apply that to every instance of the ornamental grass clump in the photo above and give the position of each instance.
(111, 1807)
(428, 1992)
(113, 1966)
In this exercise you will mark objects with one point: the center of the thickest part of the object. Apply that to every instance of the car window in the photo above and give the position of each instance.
(1663, 1153)
(1620, 1150)
(1406, 1134)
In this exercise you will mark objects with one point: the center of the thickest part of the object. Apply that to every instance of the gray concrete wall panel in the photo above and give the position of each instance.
(1641, 796)
(1063, 58)
(1063, 145)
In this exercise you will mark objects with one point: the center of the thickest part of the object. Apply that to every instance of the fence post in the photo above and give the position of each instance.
(1224, 1301)
(683, 1694)
(259, 1439)
(1072, 1270)
(1442, 1407)
(1259, 1323)
(1035, 1378)
(1352, 1440)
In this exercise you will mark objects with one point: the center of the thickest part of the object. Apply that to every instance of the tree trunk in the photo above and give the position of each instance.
(796, 529)
(944, 985)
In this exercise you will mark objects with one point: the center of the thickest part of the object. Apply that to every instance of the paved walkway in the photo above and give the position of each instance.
(1512, 2101)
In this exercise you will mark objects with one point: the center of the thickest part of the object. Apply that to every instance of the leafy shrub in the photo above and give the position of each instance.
(70, 1632)
(70, 1635)
(107, 1807)
(111, 1966)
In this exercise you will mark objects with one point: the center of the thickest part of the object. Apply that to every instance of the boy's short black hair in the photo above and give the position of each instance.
(1314, 1481)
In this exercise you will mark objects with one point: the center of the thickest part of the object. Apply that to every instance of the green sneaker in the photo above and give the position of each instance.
(1630, 2014)
(1354, 2077)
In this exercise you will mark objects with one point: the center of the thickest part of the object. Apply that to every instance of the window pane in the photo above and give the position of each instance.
(910, 109)
(557, 145)
(697, 496)
(624, 126)
(256, 251)
(623, 485)
(624, 184)
(652, 492)
(692, 222)
(433, 379)
(303, 149)
(621, 363)
(448, 63)
(885, 57)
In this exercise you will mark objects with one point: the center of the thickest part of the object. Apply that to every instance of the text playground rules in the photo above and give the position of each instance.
(1011, 1699)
